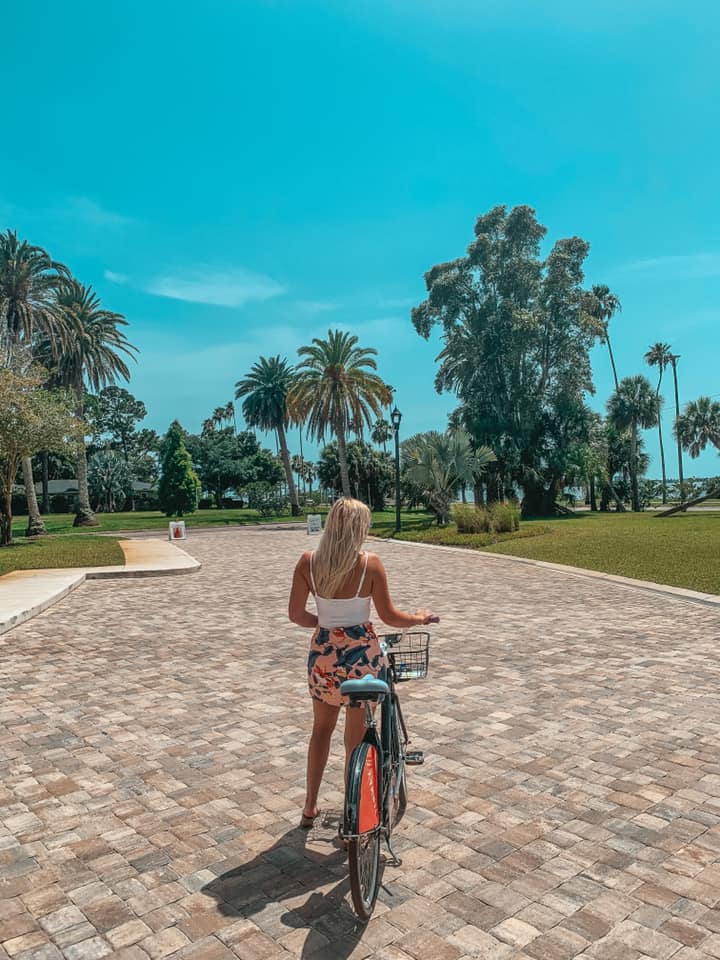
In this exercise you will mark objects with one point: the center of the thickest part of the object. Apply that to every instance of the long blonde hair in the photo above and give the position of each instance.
(346, 527)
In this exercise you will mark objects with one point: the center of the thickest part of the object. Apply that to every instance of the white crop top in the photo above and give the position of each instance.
(337, 612)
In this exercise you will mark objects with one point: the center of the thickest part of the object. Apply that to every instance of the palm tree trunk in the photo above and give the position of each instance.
(285, 456)
(35, 527)
(634, 469)
(84, 517)
(660, 437)
(593, 496)
(612, 359)
(342, 460)
(679, 445)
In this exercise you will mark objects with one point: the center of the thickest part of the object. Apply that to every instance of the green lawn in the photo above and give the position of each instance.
(683, 550)
(58, 551)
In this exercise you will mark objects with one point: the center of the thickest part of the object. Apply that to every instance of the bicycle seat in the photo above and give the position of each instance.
(366, 688)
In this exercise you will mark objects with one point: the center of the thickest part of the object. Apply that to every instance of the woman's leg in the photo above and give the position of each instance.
(324, 720)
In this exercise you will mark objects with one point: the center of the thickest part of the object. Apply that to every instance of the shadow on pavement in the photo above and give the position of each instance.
(279, 891)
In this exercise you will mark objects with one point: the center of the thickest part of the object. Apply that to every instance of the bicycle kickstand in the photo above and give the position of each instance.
(396, 861)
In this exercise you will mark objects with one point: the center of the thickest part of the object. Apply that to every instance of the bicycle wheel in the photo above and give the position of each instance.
(362, 824)
(397, 800)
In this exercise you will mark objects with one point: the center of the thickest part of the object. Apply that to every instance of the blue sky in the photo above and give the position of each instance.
(236, 177)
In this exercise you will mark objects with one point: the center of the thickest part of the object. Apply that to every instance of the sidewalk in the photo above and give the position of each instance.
(25, 593)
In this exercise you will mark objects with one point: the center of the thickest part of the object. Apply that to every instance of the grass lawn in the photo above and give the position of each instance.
(54, 551)
(683, 550)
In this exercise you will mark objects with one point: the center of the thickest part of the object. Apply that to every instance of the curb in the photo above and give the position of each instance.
(648, 586)
(69, 579)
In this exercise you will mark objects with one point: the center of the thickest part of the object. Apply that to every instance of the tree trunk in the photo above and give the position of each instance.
(84, 517)
(342, 460)
(45, 461)
(35, 527)
(285, 456)
(679, 444)
(711, 495)
(634, 469)
(6, 513)
(612, 359)
(593, 496)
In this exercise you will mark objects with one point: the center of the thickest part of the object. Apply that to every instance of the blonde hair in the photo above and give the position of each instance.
(346, 527)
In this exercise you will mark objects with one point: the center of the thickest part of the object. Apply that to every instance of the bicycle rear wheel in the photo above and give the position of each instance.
(362, 825)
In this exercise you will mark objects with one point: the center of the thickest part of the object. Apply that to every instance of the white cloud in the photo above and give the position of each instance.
(115, 277)
(229, 288)
(90, 212)
(685, 265)
(315, 306)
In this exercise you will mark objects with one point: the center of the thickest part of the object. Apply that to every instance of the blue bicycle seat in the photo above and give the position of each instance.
(366, 688)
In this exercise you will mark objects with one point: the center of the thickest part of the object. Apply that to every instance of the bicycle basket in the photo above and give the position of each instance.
(409, 654)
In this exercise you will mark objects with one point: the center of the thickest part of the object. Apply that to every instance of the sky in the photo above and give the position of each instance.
(238, 177)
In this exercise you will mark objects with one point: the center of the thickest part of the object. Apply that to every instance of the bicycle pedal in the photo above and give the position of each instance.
(414, 758)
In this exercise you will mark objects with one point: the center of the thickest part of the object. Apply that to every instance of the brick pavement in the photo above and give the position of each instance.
(152, 739)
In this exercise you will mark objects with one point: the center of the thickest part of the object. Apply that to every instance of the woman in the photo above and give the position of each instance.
(343, 581)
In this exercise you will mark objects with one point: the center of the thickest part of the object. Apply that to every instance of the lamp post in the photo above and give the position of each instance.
(674, 357)
(396, 417)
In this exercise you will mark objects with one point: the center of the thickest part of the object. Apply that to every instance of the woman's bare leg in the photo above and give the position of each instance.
(324, 720)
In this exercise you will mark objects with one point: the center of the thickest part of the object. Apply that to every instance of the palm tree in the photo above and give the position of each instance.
(604, 305)
(230, 415)
(659, 356)
(440, 463)
(696, 427)
(265, 406)
(337, 389)
(28, 281)
(92, 355)
(631, 407)
(381, 433)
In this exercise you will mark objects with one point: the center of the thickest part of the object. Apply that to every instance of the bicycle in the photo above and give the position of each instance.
(376, 787)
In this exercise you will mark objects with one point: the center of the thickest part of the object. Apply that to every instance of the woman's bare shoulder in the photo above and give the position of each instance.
(374, 561)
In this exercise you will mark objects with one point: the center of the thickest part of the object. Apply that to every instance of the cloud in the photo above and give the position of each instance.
(230, 288)
(91, 213)
(315, 306)
(115, 277)
(685, 265)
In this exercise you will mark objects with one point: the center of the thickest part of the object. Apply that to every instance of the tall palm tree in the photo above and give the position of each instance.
(337, 390)
(92, 355)
(696, 427)
(604, 305)
(381, 433)
(28, 281)
(659, 356)
(631, 407)
(265, 406)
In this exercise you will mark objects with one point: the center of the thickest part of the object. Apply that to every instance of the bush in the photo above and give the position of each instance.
(266, 499)
(62, 503)
(19, 505)
(504, 517)
(471, 519)
(205, 503)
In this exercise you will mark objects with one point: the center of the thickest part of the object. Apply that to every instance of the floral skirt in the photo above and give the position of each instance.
(343, 653)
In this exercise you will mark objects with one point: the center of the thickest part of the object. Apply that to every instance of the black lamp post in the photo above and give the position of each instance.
(396, 417)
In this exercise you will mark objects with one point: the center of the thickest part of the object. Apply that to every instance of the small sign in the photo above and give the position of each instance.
(177, 530)
(314, 523)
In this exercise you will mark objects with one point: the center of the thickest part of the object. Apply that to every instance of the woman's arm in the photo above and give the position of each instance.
(380, 593)
(299, 593)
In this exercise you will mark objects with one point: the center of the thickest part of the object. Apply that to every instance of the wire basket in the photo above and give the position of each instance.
(409, 654)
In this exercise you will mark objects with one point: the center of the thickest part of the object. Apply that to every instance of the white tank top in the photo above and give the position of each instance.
(338, 612)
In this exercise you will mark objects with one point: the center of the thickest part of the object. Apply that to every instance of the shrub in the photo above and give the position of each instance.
(205, 503)
(179, 487)
(266, 499)
(505, 517)
(471, 519)
(62, 503)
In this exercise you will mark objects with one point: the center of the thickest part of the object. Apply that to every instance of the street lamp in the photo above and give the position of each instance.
(396, 417)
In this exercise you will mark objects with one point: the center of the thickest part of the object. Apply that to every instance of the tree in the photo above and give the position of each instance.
(438, 463)
(517, 333)
(265, 406)
(92, 355)
(633, 406)
(224, 460)
(109, 480)
(179, 488)
(381, 433)
(28, 282)
(337, 390)
(31, 419)
(696, 427)
(115, 411)
(603, 304)
(659, 356)
(370, 472)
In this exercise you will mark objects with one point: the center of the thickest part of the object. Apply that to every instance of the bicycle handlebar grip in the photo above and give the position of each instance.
(434, 620)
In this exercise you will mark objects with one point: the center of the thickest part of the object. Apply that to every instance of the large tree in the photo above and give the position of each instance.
(696, 427)
(659, 356)
(633, 406)
(370, 472)
(337, 390)
(179, 488)
(517, 332)
(93, 354)
(603, 304)
(223, 459)
(28, 282)
(31, 419)
(115, 412)
(265, 406)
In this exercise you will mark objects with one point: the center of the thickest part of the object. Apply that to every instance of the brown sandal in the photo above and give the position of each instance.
(306, 822)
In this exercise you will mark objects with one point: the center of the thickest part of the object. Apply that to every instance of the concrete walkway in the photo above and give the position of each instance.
(152, 754)
(25, 593)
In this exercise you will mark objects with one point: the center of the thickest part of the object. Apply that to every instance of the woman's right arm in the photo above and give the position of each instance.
(299, 593)
(386, 609)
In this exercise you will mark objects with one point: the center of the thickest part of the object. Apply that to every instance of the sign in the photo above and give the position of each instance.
(176, 530)
(314, 523)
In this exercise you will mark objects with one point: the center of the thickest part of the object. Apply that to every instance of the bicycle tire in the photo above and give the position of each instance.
(398, 778)
(362, 809)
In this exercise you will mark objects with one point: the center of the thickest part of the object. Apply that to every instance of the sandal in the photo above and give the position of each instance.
(306, 821)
